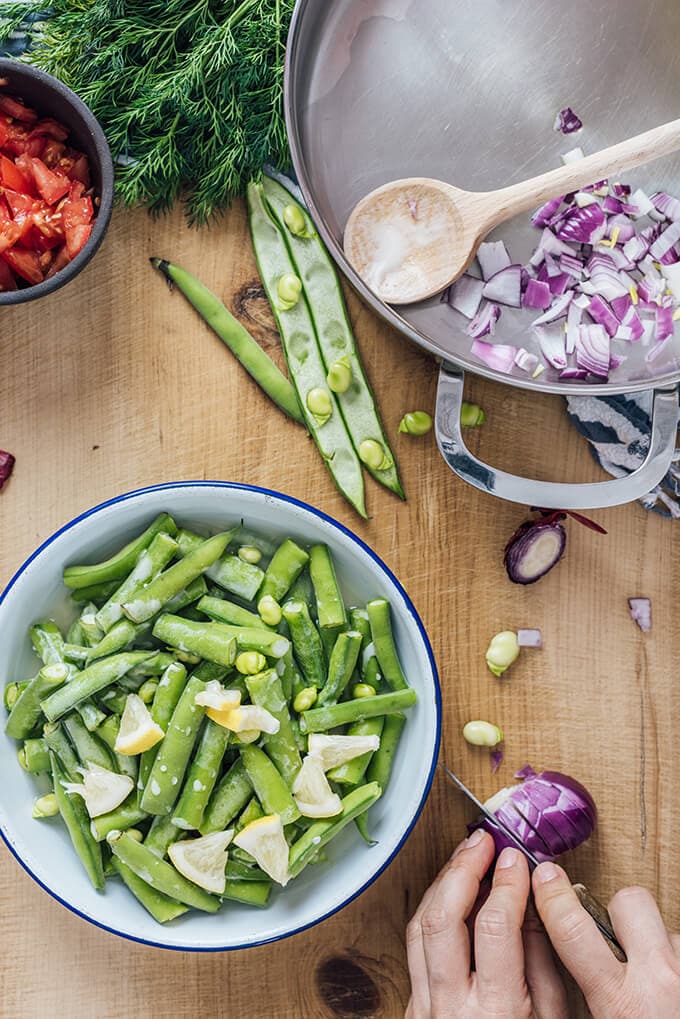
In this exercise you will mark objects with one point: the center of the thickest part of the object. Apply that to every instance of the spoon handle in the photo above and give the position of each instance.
(643, 148)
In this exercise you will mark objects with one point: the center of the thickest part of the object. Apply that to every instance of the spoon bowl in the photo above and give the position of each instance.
(409, 239)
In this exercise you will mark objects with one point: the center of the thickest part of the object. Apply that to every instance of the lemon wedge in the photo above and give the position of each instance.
(246, 718)
(265, 841)
(312, 792)
(203, 860)
(102, 790)
(332, 751)
(217, 698)
(138, 731)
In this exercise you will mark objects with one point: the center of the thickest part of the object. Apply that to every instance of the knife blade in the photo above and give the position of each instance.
(595, 909)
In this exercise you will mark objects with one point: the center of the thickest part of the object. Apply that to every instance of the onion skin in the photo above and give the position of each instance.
(521, 544)
(550, 813)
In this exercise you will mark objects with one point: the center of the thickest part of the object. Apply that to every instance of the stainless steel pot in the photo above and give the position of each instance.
(467, 91)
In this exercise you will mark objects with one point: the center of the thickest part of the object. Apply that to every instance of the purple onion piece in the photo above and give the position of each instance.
(465, 295)
(7, 462)
(529, 638)
(667, 240)
(492, 257)
(580, 226)
(551, 339)
(567, 121)
(534, 549)
(525, 772)
(543, 216)
(667, 205)
(505, 287)
(499, 356)
(558, 310)
(641, 612)
(496, 760)
(484, 322)
(593, 350)
(537, 295)
(602, 314)
(525, 361)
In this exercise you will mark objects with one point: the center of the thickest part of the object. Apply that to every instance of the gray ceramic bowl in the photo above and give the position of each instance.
(51, 98)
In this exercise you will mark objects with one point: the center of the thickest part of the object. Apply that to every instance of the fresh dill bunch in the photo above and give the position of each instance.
(189, 92)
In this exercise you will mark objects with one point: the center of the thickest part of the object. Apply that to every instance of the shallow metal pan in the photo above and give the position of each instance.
(467, 91)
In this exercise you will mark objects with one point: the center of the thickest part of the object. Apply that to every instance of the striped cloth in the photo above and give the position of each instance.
(617, 428)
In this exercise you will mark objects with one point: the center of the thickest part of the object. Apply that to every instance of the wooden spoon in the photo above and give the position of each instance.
(411, 238)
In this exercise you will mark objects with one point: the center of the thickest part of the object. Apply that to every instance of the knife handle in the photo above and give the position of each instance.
(601, 916)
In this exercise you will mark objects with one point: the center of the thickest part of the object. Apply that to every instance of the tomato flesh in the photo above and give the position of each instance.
(46, 210)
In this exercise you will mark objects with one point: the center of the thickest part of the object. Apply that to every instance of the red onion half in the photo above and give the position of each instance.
(7, 462)
(551, 813)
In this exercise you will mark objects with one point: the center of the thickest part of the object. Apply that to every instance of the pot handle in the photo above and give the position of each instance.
(548, 494)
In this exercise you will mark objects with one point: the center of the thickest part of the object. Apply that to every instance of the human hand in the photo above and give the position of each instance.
(515, 975)
(648, 985)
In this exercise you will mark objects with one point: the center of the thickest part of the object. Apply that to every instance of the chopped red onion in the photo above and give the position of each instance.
(7, 462)
(581, 225)
(665, 325)
(574, 317)
(537, 295)
(666, 205)
(625, 227)
(499, 356)
(666, 240)
(465, 295)
(558, 310)
(484, 322)
(606, 280)
(552, 342)
(642, 202)
(632, 322)
(593, 350)
(671, 274)
(525, 361)
(574, 373)
(657, 349)
(505, 287)
(641, 611)
(543, 216)
(525, 772)
(492, 257)
(567, 121)
(496, 760)
(600, 312)
(529, 638)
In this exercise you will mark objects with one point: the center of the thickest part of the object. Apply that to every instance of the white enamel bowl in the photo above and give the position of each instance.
(43, 847)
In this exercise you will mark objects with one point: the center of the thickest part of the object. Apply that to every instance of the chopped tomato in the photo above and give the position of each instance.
(24, 164)
(77, 237)
(25, 263)
(48, 221)
(80, 171)
(7, 280)
(22, 209)
(9, 230)
(4, 132)
(17, 137)
(52, 153)
(15, 108)
(61, 260)
(35, 146)
(11, 176)
(50, 185)
(50, 126)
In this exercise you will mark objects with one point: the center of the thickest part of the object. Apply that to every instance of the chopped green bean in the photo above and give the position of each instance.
(230, 796)
(342, 663)
(165, 778)
(47, 642)
(329, 604)
(97, 593)
(265, 689)
(161, 907)
(12, 692)
(251, 893)
(75, 817)
(149, 564)
(230, 572)
(285, 567)
(383, 641)
(306, 642)
(269, 785)
(207, 640)
(90, 681)
(120, 564)
(27, 711)
(381, 763)
(58, 742)
(34, 756)
(160, 875)
(201, 776)
(89, 747)
(108, 732)
(317, 835)
(162, 833)
(322, 719)
(165, 700)
(227, 612)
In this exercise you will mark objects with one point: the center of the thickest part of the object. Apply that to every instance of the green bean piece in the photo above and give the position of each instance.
(168, 693)
(90, 681)
(330, 606)
(45, 806)
(299, 341)
(266, 690)
(127, 815)
(386, 653)
(229, 572)
(322, 719)
(307, 644)
(91, 631)
(342, 663)
(151, 599)
(317, 835)
(303, 590)
(114, 699)
(34, 756)
(160, 875)
(358, 620)
(201, 776)
(162, 833)
(91, 715)
(252, 812)
(149, 564)
(97, 593)
(74, 814)
(251, 893)
(75, 635)
(223, 611)
(27, 711)
(256, 362)
(352, 772)
(230, 796)
(89, 747)
(314, 266)
(161, 907)
(292, 680)
(174, 751)
(47, 642)
(238, 871)
(154, 665)
(381, 763)
(207, 640)
(58, 743)
(218, 642)
(208, 671)
(76, 654)
(120, 564)
(285, 567)
(12, 693)
(108, 733)
(269, 785)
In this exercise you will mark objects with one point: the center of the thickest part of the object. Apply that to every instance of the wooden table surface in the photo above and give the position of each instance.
(112, 384)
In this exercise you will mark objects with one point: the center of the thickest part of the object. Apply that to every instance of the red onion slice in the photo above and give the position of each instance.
(505, 287)
(7, 462)
(567, 121)
(492, 257)
(499, 356)
(537, 295)
(484, 322)
(465, 295)
(552, 343)
(529, 638)
(641, 611)
(593, 350)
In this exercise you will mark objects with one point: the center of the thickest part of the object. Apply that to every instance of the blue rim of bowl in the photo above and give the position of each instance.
(282, 497)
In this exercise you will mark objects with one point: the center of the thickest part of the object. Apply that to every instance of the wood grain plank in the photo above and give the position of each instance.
(113, 384)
